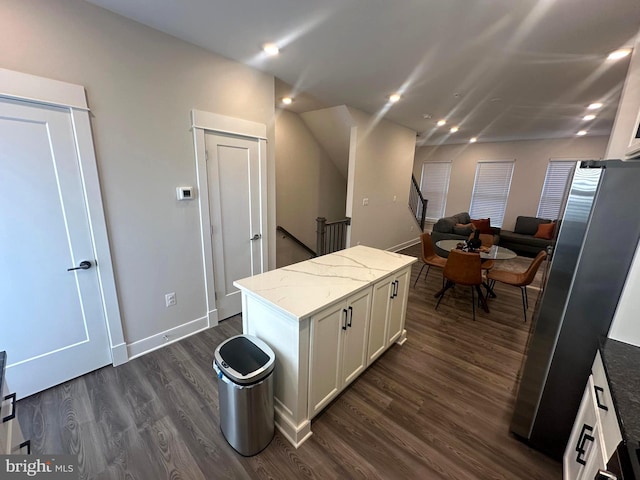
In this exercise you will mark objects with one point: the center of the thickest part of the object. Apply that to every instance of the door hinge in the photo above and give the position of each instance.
(206, 155)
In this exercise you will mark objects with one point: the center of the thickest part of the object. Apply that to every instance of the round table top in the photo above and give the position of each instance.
(495, 253)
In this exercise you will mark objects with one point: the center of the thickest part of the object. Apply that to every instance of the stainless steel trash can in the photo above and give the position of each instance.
(244, 365)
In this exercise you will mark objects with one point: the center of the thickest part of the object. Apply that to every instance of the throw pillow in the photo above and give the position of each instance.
(483, 224)
(545, 230)
(463, 229)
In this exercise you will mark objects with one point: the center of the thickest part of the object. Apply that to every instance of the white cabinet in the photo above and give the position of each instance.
(388, 311)
(338, 348)
(398, 307)
(596, 433)
(11, 439)
(318, 318)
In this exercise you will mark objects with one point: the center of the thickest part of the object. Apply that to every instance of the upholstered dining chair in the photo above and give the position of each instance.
(522, 280)
(485, 238)
(464, 268)
(429, 256)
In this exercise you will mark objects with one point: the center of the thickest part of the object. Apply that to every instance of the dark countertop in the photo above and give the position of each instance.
(3, 361)
(622, 365)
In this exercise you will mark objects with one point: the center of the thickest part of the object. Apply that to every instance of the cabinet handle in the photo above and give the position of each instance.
(582, 439)
(600, 405)
(350, 316)
(344, 319)
(394, 289)
(27, 444)
(605, 475)
(12, 415)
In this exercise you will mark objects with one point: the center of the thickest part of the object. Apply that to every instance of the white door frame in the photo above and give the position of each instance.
(202, 122)
(31, 88)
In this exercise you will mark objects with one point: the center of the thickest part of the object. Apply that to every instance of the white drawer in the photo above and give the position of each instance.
(604, 406)
(10, 433)
(583, 448)
(6, 409)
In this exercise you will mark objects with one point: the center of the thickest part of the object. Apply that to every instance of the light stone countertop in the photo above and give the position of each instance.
(305, 288)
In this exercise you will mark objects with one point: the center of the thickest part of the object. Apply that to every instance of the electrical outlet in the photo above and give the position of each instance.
(395, 198)
(170, 299)
(365, 202)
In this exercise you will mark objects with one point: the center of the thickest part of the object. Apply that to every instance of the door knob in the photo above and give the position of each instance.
(257, 236)
(84, 265)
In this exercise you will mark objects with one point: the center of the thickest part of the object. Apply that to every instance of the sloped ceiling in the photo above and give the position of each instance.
(500, 69)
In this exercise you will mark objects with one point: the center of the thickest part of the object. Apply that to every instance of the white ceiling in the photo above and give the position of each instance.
(501, 69)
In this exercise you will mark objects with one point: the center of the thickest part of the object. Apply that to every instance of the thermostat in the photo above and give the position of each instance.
(185, 193)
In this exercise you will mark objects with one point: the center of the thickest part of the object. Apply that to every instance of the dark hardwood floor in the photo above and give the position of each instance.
(437, 407)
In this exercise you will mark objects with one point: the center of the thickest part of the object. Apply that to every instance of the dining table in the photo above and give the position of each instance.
(495, 252)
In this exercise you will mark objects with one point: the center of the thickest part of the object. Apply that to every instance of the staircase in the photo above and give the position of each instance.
(417, 203)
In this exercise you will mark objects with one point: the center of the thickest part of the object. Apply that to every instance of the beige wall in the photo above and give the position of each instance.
(141, 85)
(382, 164)
(531, 156)
(628, 108)
(308, 184)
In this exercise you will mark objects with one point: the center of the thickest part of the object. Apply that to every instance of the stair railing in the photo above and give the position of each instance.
(295, 240)
(332, 236)
(417, 203)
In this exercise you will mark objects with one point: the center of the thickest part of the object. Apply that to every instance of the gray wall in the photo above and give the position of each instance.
(382, 158)
(531, 156)
(308, 184)
(141, 85)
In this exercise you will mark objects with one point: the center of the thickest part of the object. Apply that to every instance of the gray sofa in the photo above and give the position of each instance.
(445, 229)
(522, 240)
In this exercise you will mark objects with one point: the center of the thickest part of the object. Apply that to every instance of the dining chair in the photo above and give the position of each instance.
(429, 257)
(522, 280)
(485, 238)
(464, 268)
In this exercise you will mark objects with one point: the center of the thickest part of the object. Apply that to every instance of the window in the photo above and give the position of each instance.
(434, 187)
(555, 184)
(491, 190)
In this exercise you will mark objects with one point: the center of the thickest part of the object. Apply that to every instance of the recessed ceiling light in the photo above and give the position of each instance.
(595, 106)
(473, 140)
(581, 133)
(588, 117)
(287, 100)
(454, 129)
(394, 97)
(441, 123)
(618, 54)
(271, 49)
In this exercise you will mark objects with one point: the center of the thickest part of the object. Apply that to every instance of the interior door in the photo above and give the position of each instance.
(52, 322)
(233, 174)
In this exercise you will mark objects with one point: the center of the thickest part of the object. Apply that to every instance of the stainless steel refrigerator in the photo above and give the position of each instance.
(595, 245)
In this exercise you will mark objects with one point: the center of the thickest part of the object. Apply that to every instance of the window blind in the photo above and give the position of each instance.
(555, 184)
(491, 190)
(434, 187)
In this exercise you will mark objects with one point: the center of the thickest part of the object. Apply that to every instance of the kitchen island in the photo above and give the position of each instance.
(327, 319)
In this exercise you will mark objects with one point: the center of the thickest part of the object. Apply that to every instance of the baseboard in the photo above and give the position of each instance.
(119, 354)
(404, 245)
(167, 337)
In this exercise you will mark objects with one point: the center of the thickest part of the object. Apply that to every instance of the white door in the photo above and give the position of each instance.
(233, 174)
(52, 320)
